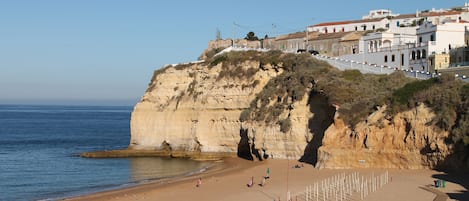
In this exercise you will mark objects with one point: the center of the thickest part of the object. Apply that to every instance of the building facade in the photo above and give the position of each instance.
(348, 26)
(336, 44)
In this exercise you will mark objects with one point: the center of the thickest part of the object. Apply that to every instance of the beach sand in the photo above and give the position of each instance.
(228, 181)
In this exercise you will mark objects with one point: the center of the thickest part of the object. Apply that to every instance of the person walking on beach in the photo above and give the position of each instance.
(251, 182)
(262, 182)
(199, 182)
(268, 173)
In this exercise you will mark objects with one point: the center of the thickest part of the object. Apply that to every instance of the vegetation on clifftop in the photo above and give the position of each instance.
(356, 94)
(449, 99)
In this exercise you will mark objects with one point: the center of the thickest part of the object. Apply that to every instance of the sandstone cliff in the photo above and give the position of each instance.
(195, 108)
(405, 141)
(257, 109)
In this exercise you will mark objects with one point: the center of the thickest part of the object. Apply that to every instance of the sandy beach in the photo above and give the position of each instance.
(228, 181)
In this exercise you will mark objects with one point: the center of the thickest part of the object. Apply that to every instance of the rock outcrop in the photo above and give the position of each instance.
(196, 108)
(406, 141)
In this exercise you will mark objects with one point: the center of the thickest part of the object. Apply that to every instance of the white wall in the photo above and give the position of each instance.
(378, 58)
(350, 26)
(444, 35)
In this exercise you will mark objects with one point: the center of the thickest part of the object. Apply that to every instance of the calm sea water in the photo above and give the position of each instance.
(39, 147)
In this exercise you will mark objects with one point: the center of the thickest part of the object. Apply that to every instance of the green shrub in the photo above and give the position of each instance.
(285, 125)
(403, 95)
(244, 115)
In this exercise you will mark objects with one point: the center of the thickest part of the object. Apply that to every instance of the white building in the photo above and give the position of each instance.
(353, 25)
(381, 13)
(434, 16)
(384, 19)
(437, 39)
(410, 48)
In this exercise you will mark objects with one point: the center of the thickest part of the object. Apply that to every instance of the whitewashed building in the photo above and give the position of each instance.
(378, 14)
(410, 48)
(352, 25)
(385, 19)
(434, 16)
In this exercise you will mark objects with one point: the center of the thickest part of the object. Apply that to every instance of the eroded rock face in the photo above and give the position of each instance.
(406, 141)
(197, 108)
(194, 108)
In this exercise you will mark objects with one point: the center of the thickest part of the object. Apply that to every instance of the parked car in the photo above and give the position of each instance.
(313, 52)
(300, 50)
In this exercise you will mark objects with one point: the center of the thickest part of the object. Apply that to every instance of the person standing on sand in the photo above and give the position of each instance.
(199, 182)
(251, 183)
(268, 173)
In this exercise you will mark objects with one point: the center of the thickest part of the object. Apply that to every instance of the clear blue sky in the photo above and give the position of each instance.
(105, 51)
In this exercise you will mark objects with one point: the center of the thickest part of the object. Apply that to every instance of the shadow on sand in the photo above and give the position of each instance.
(457, 178)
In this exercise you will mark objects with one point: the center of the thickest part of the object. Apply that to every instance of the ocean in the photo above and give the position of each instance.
(39, 147)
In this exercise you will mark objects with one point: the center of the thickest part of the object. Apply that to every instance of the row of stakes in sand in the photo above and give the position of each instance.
(342, 187)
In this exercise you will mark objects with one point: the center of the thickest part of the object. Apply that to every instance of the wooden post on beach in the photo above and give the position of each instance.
(366, 188)
(327, 188)
(387, 177)
(323, 195)
(361, 191)
(317, 191)
(335, 192)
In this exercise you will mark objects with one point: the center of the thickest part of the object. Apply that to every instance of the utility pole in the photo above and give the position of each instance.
(234, 34)
(273, 29)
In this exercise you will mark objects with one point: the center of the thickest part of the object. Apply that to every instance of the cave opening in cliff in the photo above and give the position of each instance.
(323, 117)
(244, 148)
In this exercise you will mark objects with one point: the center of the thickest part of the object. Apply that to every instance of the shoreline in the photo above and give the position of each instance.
(227, 180)
(219, 166)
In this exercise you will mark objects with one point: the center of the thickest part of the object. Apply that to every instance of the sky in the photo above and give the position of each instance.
(104, 52)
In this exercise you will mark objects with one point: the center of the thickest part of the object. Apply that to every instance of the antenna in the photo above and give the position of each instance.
(234, 33)
(273, 29)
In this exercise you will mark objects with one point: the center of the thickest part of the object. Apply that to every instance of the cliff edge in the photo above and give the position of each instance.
(274, 105)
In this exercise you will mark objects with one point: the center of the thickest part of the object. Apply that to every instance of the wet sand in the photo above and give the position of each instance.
(228, 181)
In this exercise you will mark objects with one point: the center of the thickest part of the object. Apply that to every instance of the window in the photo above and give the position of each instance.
(334, 30)
(364, 27)
(343, 29)
(424, 54)
(420, 39)
(385, 58)
(374, 27)
(402, 59)
(418, 54)
(432, 37)
(413, 55)
(393, 58)
(356, 28)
